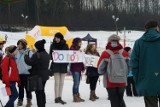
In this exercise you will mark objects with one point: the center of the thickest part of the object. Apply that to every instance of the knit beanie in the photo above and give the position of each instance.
(113, 37)
(76, 41)
(40, 44)
(151, 24)
(59, 35)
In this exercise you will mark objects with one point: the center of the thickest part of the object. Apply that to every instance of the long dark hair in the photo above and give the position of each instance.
(89, 50)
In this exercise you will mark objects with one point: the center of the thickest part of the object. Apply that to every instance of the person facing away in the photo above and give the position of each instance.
(40, 63)
(115, 90)
(145, 60)
(10, 74)
(24, 73)
(58, 69)
(76, 69)
(130, 88)
(92, 72)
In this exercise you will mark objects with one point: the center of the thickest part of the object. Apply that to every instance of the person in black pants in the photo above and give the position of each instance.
(92, 72)
(130, 88)
(40, 63)
(24, 73)
(116, 96)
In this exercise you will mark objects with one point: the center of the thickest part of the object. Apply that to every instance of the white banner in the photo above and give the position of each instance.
(74, 57)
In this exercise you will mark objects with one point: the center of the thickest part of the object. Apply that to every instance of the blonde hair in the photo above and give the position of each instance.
(88, 50)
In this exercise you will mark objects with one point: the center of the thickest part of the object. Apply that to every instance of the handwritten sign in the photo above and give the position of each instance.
(74, 57)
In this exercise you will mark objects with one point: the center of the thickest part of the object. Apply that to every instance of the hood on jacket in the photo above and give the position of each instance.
(116, 48)
(151, 35)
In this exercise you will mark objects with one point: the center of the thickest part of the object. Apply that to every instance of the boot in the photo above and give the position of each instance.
(20, 102)
(92, 98)
(82, 100)
(29, 103)
(94, 95)
(61, 101)
(57, 100)
(76, 98)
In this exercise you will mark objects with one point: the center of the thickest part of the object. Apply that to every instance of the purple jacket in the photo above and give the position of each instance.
(76, 67)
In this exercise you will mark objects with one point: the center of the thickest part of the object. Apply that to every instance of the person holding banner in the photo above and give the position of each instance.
(76, 69)
(92, 72)
(10, 73)
(59, 70)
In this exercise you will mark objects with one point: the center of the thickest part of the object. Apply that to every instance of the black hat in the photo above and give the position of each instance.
(40, 44)
(151, 24)
(127, 49)
(59, 35)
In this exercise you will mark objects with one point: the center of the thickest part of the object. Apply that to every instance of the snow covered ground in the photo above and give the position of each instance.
(102, 37)
(84, 90)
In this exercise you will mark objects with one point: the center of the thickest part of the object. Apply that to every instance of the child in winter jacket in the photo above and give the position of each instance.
(10, 73)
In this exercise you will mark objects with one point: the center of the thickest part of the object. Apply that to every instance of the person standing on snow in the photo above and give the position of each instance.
(23, 72)
(145, 64)
(59, 70)
(76, 69)
(10, 74)
(40, 63)
(130, 89)
(92, 72)
(115, 89)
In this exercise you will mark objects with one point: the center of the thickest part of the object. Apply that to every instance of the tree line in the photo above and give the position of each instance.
(80, 14)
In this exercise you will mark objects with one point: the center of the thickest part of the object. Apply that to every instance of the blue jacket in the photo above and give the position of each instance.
(22, 66)
(145, 63)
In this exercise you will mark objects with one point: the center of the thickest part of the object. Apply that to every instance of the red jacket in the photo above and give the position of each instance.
(106, 55)
(13, 75)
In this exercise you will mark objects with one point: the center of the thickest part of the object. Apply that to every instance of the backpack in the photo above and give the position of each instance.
(117, 68)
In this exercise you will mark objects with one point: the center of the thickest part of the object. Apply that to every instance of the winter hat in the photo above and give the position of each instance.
(59, 35)
(76, 40)
(40, 44)
(151, 24)
(23, 41)
(113, 37)
(127, 49)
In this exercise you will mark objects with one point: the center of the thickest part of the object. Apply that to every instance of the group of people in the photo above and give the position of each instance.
(141, 64)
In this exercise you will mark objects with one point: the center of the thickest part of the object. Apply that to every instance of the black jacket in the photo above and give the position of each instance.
(39, 62)
(58, 67)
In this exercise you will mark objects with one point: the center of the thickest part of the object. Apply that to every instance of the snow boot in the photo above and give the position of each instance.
(29, 103)
(76, 98)
(61, 101)
(20, 102)
(94, 95)
(82, 100)
(57, 100)
(92, 98)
